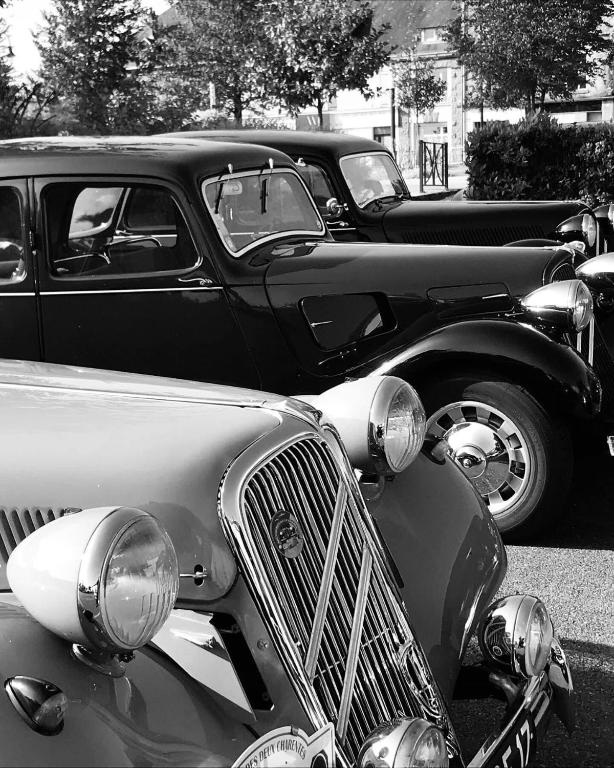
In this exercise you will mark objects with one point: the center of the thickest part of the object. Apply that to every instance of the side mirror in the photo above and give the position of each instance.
(334, 208)
(598, 273)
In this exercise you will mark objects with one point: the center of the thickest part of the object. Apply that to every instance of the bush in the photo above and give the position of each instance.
(538, 159)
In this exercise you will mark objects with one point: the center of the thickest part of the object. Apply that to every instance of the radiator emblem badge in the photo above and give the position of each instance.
(286, 534)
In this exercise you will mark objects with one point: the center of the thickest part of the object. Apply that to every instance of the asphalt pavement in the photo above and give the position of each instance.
(572, 570)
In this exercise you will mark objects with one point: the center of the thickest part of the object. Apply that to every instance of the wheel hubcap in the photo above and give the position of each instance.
(489, 448)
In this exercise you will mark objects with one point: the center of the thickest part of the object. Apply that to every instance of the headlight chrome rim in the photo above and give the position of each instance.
(589, 229)
(567, 304)
(391, 390)
(505, 635)
(396, 744)
(92, 606)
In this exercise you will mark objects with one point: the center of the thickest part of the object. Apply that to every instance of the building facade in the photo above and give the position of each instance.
(417, 28)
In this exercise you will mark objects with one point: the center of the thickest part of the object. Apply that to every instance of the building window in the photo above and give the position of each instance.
(384, 136)
(431, 35)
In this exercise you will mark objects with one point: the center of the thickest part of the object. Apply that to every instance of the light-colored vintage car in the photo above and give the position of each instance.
(198, 575)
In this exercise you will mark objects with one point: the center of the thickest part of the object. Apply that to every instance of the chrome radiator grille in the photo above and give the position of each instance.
(351, 634)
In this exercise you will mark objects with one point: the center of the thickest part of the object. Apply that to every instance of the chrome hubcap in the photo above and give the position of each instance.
(489, 448)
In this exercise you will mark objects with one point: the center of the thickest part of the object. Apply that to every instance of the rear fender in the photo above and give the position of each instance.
(553, 372)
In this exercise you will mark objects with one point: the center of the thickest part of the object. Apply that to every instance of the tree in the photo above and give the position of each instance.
(418, 87)
(520, 51)
(323, 47)
(23, 105)
(224, 42)
(92, 53)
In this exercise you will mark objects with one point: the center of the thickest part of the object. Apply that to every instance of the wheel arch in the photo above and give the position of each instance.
(552, 372)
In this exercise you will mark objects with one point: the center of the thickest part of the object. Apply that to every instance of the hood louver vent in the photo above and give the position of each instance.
(469, 236)
(17, 524)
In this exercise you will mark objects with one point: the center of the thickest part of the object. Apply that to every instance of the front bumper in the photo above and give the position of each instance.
(528, 713)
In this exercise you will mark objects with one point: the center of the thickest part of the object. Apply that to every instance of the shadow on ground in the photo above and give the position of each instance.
(588, 522)
(592, 743)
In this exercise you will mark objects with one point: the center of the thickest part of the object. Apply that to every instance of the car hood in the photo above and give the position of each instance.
(96, 439)
(25, 373)
(417, 289)
(476, 222)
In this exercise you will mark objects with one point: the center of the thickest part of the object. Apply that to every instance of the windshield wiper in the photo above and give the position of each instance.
(218, 198)
(264, 193)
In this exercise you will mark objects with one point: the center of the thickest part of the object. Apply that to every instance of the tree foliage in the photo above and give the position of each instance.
(23, 105)
(93, 54)
(418, 87)
(520, 51)
(224, 42)
(323, 46)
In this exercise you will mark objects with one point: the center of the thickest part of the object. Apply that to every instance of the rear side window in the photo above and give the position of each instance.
(12, 261)
(102, 230)
(317, 182)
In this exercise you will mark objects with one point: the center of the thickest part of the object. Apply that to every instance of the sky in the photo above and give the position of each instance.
(25, 17)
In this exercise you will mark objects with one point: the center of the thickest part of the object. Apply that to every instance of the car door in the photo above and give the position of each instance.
(19, 335)
(125, 283)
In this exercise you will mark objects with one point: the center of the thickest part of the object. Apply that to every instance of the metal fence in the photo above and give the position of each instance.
(433, 164)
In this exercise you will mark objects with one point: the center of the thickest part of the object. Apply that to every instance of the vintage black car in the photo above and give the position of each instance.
(210, 261)
(190, 576)
(362, 195)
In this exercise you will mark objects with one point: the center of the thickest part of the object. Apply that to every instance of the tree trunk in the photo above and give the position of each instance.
(320, 113)
(237, 110)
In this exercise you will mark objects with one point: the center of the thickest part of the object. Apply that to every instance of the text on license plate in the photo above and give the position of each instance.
(518, 746)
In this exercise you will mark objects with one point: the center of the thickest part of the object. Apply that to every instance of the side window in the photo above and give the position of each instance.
(317, 182)
(12, 262)
(103, 230)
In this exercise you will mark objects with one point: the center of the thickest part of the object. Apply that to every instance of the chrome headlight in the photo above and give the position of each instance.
(404, 742)
(380, 419)
(111, 588)
(516, 635)
(589, 229)
(598, 272)
(567, 304)
(397, 424)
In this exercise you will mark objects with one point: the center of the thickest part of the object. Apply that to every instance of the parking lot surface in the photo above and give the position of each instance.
(572, 570)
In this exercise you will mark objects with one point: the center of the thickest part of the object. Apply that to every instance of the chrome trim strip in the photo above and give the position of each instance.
(31, 295)
(591, 341)
(326, 584)
(131, 290)
(347, 691)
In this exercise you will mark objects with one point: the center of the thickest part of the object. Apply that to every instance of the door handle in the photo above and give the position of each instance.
(202, 281)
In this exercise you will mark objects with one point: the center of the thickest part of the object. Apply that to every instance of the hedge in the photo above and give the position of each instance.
(538, 159)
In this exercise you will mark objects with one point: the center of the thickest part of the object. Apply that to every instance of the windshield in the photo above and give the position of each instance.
(260, 205)
(373, 177)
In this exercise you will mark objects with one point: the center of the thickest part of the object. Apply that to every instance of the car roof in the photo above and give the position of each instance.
(178, 158)
(293, 142)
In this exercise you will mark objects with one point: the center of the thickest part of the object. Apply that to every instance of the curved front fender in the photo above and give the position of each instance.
(154, 715)
(448, 553)
(554, 373)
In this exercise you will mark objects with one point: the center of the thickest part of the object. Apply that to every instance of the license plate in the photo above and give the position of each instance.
(518, 746)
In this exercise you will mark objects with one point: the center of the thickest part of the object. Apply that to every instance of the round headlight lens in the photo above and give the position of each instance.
(128, 581)
(430, 750)
(539, 634)
(589, 229)
(405, 742)
(583, 307)
(405, 426)
(139, 583)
